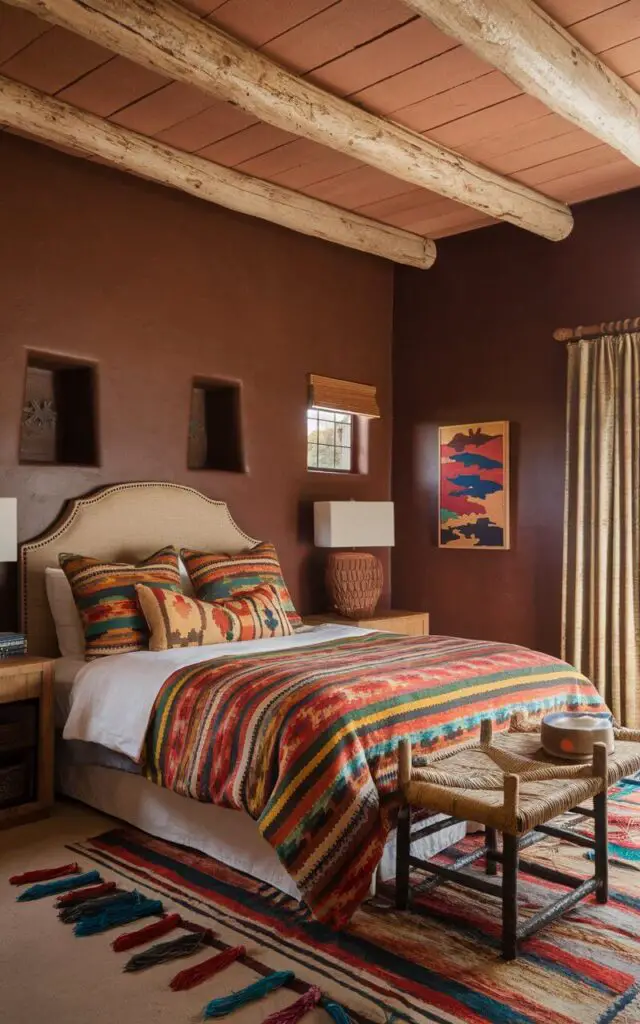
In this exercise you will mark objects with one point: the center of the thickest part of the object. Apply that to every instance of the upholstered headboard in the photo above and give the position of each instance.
(124, 523)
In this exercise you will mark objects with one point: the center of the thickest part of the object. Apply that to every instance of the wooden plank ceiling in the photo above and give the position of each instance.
(379, 56)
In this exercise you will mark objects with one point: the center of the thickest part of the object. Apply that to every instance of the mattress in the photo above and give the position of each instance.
(65, 672)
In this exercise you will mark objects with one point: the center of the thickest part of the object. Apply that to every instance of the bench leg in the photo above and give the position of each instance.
(509, 897)
(602, 844)
(403, 848)
(492, 845)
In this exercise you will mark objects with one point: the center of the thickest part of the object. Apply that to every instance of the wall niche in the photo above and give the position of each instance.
(59, 416)
(215, 426)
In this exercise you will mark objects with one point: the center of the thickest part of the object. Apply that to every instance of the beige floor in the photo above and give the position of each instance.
(49, 975)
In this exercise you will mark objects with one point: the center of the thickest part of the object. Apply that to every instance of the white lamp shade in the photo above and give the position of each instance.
(8, 529)
(353, 524)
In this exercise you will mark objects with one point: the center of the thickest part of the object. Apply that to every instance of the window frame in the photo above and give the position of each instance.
(352, 447)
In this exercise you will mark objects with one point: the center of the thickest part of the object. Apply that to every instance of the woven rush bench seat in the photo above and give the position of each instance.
(547, 787)
(510, 785)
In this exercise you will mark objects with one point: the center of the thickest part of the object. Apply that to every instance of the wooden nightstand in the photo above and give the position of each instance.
(411, 623)
(26, 739)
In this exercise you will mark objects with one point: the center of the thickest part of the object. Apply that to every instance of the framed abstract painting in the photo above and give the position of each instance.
(473, 495)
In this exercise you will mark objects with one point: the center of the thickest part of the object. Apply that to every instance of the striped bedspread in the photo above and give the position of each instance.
(305, 740)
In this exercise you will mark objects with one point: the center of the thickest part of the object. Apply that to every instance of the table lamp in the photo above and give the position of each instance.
(354, 578)
(8, 529)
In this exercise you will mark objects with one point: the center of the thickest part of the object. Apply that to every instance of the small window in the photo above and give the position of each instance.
(330, 440)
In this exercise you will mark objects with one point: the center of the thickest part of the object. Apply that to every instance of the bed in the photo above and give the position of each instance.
(123, 523)
(112, 782)
(107, 706)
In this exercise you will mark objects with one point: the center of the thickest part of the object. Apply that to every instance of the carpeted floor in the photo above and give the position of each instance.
(49, 975)
(438, 964)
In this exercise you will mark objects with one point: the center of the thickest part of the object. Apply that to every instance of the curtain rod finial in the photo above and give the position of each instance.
(564, 333)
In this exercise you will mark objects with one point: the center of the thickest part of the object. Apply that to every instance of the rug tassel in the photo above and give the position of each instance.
(193, 976)
(142, 935)
(227, 1004)
(114, 916)
(92, 908)
(36, 892)
(292, 1014)
(162, 952)
(618, 853)
(92, 892)
(44, 874)
(335, 1011)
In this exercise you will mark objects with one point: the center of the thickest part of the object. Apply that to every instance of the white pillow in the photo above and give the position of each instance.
(185, 580)
(69, 629)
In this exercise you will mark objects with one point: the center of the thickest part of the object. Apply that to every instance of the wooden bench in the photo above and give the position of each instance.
(510, 785)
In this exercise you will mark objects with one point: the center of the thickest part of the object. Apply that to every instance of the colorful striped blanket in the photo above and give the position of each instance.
(305, 740)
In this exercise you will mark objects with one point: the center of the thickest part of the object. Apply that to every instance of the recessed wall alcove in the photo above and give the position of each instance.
(215, 426)
(59, 413)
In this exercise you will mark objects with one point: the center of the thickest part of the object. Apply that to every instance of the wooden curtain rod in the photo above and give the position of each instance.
(597, 330)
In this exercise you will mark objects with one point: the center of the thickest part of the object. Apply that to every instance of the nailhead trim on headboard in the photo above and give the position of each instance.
(80, 506)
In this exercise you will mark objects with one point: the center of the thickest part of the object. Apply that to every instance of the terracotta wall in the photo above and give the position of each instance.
(157, 288)
(473, 342)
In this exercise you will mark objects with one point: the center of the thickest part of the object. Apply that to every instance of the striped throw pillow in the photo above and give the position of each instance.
(175, 620)
(216, 577)
(105, 597)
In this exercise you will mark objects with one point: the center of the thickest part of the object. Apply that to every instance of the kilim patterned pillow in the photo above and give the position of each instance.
(105, 597)
(216, 577)
(178, 621)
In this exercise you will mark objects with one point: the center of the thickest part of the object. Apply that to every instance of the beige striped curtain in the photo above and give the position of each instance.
(601, 600)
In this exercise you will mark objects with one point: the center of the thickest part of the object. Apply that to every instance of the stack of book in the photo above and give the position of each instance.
(12, 644)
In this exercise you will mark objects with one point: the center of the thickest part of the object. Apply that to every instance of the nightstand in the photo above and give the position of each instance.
(411, 623)
(26, 739)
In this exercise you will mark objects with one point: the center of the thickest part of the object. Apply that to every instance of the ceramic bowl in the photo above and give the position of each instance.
(570, 735)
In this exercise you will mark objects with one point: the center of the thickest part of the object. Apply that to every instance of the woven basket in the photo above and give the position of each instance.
(18, 727)
(15, 783)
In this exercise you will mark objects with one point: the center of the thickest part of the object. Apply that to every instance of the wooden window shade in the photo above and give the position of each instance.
(343, 396)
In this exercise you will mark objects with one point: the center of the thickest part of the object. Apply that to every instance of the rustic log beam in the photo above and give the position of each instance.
(50, 120)
(164, 36)
(540, 56)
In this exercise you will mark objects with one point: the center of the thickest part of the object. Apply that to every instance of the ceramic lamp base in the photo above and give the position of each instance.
(354, 582)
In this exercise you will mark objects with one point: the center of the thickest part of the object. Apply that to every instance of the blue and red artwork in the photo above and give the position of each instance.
(474, 486)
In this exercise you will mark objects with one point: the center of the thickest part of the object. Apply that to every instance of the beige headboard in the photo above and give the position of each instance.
(123, 522)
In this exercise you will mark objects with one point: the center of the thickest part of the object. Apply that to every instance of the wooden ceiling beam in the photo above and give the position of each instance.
(164, 36)
(535, 52)
(53, 121)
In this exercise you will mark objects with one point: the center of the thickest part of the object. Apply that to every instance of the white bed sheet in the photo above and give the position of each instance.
(65, 673)
(105, 687)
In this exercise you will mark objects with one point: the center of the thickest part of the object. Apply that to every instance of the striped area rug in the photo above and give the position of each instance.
(624, 824)
(440, 963)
